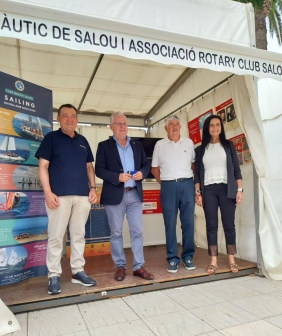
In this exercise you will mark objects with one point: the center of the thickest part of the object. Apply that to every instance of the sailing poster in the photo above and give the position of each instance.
(25, 119)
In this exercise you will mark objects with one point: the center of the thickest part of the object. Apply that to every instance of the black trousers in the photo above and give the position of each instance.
(215, 196)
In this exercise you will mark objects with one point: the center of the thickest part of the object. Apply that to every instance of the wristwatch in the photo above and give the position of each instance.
(93, 188)
(240, 189)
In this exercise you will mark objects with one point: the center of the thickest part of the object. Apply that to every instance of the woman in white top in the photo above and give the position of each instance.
(218, 183)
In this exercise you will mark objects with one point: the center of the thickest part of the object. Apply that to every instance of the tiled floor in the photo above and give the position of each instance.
(246, 306)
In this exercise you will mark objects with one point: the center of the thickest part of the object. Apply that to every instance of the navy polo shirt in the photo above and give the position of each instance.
(68, 158)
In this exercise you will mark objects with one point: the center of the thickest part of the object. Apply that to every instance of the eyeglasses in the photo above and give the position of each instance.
(121, 124)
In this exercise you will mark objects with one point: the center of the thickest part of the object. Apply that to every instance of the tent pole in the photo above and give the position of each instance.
(90, 80)
(256, 209)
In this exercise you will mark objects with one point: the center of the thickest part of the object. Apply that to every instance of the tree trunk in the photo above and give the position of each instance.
(261, 32)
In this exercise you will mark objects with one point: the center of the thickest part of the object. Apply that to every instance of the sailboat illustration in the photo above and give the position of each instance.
(8, 144)
(3, 258)
(31, 131)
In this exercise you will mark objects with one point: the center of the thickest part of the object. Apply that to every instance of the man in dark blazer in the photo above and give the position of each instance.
(121, 163)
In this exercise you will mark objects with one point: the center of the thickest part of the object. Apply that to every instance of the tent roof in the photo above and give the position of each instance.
(126, 85)
(61, 46)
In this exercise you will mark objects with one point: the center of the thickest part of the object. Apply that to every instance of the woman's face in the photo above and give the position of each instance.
(215, 127)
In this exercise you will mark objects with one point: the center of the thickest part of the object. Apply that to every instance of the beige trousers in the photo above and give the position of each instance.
(72, 211)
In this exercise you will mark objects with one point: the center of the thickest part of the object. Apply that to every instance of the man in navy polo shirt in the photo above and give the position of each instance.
(68, 180)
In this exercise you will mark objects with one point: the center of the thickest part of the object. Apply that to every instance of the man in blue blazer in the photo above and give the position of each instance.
(121, 163)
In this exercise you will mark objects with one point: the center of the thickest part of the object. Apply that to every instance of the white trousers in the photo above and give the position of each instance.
(72, 211)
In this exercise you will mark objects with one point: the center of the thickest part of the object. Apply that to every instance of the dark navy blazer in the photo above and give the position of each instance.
(108, 166)
(233, 170)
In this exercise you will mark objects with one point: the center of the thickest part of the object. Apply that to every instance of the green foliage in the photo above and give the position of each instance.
(258, 4)
(274, 17)
(275, 20)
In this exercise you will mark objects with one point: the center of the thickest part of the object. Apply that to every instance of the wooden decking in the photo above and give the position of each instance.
(32, 294)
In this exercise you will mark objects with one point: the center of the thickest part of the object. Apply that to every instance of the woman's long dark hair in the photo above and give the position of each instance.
(206, 138)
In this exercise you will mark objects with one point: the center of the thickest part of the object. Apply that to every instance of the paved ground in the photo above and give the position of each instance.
(243, 306)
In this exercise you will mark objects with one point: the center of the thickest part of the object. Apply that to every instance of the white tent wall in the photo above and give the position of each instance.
(270, 103)
(199, 82)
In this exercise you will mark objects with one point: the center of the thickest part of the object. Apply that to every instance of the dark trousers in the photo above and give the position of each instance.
(174, 196)
(215, 196)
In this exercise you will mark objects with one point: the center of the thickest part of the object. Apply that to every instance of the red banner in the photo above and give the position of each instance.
(195, 127)
(152, 203)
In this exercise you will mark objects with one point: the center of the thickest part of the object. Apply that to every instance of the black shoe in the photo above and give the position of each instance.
(83, 279)
(54, 286)
(188, 264)
(172, 267)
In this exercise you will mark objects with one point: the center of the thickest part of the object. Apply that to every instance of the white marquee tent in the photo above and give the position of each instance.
(139, 57)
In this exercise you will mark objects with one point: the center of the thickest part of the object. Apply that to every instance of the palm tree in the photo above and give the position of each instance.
(270, 10)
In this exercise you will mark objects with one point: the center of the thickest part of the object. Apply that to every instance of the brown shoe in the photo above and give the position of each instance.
(120, 274)
(142, 273)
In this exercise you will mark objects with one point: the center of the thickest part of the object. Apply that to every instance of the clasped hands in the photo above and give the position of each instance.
(124, 177)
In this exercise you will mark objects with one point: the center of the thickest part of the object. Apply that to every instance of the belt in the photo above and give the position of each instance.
(129, 188)
(181, 179)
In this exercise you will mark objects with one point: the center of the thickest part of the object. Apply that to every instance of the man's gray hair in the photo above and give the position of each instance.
(171, 117)
(112, 117)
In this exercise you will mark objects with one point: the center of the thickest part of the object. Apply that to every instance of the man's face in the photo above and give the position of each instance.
(119, 127)
(173, 128)
(67, 120)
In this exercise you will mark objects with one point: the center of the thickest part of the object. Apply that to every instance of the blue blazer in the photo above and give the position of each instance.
(108, 166)
(233, 170)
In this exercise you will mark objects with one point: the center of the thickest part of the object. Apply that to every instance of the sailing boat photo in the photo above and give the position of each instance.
(8, 148)
(34, 132)
(3, 258)
(12, 258)
(11, 202)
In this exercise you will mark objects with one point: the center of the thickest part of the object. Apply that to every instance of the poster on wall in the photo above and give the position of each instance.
(152, 202)
(195, 127)
(242, 149)
(97, 231)
(227, 113)
(25, 118)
